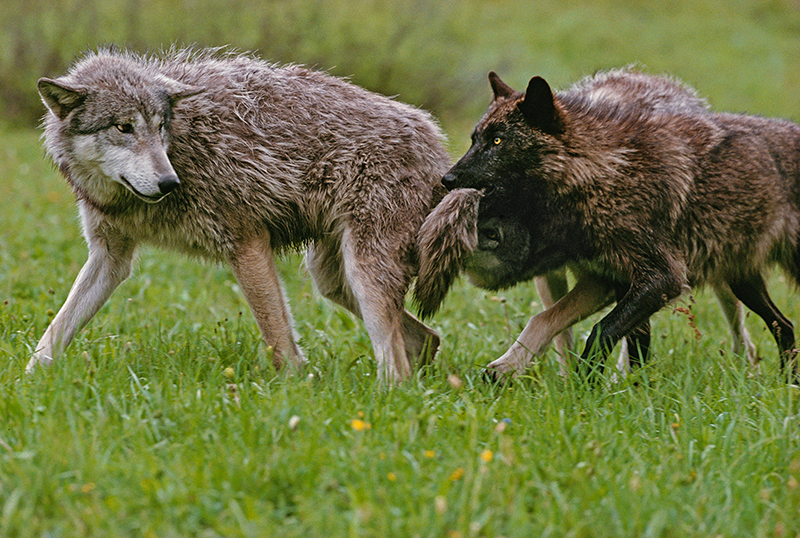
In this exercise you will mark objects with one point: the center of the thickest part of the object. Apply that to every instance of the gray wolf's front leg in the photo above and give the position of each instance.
(109, 264)
(253, 266)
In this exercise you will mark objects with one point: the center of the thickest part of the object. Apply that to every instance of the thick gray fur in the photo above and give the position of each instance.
(232, 159)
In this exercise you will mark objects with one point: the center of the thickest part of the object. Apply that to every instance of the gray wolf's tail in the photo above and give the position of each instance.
(446, 240)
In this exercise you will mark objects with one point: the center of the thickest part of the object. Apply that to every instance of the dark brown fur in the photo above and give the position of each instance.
(654, 199)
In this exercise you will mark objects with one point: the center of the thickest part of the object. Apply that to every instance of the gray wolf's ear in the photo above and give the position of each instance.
(501, 89)
(59, 98)
(178, 91)
(186, 92)
(539, 106)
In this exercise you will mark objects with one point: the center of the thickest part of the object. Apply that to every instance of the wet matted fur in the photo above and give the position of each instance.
(233, 159)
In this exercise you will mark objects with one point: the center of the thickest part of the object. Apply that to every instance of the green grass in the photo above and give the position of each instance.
(164, 418)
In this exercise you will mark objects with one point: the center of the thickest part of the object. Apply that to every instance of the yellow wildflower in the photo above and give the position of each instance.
(359, 425)
(458, 474)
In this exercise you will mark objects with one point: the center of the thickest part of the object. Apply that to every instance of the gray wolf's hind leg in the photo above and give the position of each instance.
(374, 291)
(253, 266)
(421, 342)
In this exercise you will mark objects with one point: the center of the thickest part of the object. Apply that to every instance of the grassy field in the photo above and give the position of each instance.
(165, 419)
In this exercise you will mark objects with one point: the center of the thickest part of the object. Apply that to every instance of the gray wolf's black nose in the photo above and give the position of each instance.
(167, 183)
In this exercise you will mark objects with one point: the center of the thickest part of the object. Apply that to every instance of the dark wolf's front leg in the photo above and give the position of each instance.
(589, 295)
(645, 297)
(753, 293)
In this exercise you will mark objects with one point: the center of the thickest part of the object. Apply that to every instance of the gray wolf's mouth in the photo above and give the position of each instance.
(148, 199)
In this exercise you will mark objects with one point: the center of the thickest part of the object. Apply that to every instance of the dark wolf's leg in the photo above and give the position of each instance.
(552, 287)
(254, 268)
(589, 295)
(753, 293)
(639, 345)
(644, 298)
(735, 314)
(109, 264)
(637, 342)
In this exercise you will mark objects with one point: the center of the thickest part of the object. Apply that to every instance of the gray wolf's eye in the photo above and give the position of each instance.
(125, 128)
(497, 140)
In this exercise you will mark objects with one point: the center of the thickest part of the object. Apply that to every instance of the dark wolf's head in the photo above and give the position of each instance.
(515, 160)
(107, 126)
(516, 133)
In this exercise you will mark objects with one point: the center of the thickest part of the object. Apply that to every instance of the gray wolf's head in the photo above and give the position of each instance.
(107, 126)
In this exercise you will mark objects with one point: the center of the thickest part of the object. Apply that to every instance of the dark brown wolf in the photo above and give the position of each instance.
(234, 159)
(648, 200)
(495, 253)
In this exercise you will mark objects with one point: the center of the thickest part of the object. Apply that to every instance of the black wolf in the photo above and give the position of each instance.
(647, 196)
(233, 159)
(496, 252)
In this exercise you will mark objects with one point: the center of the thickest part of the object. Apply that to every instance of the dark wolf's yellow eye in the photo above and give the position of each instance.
(125, 128)
(497, 140)
(493, 235)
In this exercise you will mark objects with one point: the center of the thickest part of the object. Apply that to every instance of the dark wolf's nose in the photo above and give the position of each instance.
(167, 183)
(448, 180)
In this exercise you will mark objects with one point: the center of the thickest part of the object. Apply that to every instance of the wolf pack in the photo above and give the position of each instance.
(627, 180)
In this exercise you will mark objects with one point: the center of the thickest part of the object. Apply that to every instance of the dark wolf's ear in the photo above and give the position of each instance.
(60, 98)
(539, 106)
(501, 89)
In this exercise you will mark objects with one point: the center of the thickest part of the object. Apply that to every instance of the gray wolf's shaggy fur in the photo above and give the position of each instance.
(233, 159)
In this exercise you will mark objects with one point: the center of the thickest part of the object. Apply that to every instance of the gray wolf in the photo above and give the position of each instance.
(228, 158)
(655, 200)
(495, 252)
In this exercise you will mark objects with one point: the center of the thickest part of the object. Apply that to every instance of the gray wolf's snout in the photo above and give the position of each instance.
(167, 183)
